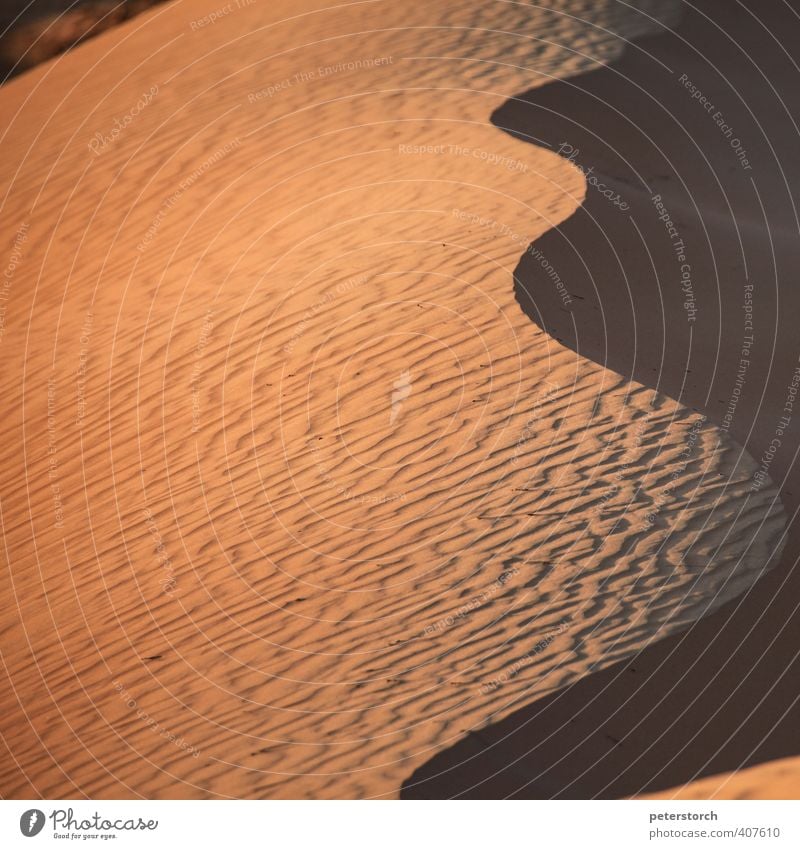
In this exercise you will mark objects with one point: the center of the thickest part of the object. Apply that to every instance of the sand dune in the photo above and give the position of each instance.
(690, 291)
(294, 494)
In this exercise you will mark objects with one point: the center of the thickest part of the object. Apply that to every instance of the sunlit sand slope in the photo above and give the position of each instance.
(772, 780)
(293, 493)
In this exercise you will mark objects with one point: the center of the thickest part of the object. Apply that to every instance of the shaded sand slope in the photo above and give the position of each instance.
(32, 32)
(285, 469)
(724, 695)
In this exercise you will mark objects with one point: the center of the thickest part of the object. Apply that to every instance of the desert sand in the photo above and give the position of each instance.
(31, 33)
(321, 459)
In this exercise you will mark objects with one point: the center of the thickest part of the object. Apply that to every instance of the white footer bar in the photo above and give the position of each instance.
(401, 824)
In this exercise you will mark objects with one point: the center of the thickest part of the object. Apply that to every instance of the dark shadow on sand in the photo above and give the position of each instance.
(677, 222)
